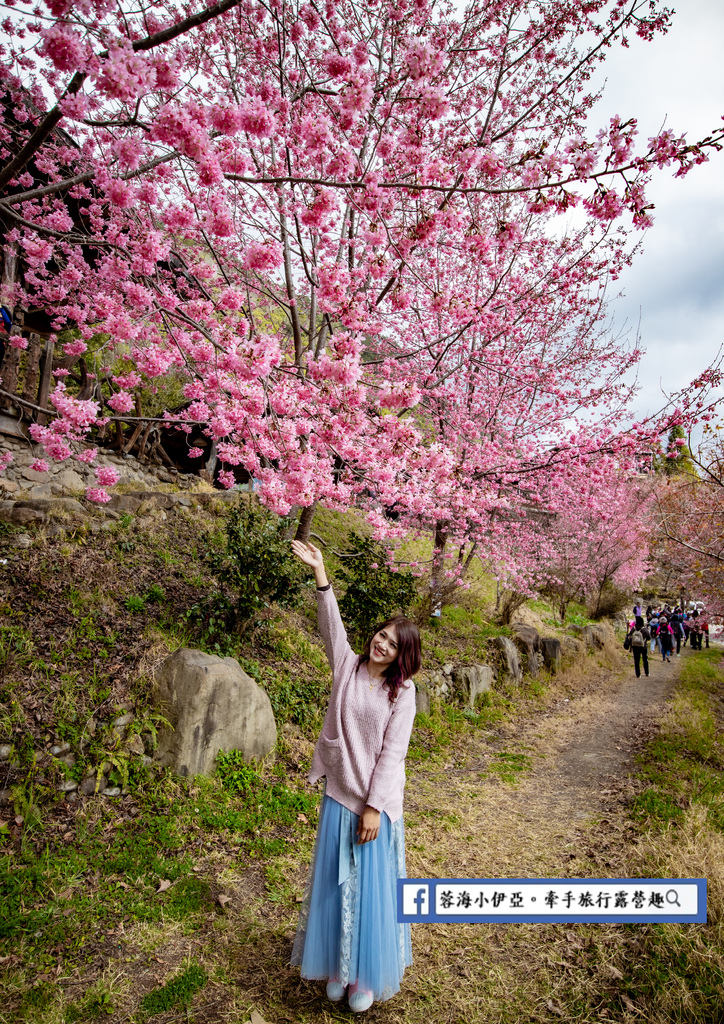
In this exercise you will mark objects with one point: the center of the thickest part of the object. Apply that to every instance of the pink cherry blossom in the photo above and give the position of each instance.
(98, 495)
(107, 476)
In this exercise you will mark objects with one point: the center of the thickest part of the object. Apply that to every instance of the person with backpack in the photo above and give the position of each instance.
(654, 629)
(666, 639)
(677, 629)
(640, 636)
(695, 631)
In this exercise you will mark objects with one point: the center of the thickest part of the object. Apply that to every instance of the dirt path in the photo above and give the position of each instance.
(579, 754)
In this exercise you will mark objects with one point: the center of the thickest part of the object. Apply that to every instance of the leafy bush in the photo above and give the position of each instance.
(374, 591)
(255, 568)
(135, 604)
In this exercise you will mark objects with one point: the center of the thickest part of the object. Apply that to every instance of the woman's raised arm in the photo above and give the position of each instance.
(330, 623)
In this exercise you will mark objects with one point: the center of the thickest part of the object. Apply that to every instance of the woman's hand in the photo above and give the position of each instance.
(308, 554)
(312, 557)
(369, 825)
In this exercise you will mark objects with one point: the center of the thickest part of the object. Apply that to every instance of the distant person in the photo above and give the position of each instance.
(677, 629)
(704, 627)
(695, 631)
(666, 639)
(640, 636)
(654, 628)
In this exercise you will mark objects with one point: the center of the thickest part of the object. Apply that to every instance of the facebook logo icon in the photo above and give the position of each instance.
(415, 899)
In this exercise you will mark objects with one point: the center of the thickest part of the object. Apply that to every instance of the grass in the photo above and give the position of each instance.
(683, 766)
(447, 724)
(178, 992)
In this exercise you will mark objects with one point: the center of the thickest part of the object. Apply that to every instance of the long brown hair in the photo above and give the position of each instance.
(409, 653)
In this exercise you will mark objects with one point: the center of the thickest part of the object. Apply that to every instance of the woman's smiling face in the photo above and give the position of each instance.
(383, 648)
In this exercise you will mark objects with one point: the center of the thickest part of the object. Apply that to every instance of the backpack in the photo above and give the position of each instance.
(637, 639)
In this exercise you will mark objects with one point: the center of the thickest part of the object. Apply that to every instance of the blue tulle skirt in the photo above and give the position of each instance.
(348, 928)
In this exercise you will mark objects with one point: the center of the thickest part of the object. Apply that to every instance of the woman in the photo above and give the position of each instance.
(654, 627)
(348, 932)
(640, 637)
(677, 629)
(666, 639)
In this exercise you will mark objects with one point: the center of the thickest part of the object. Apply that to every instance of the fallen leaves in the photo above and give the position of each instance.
(223, 900)
(629, 1003)
(613, 972)
(165, 884)
(256, 1018)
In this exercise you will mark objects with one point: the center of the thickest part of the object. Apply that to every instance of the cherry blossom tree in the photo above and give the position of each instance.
(602, 542)
(689, 509)
(338, 226)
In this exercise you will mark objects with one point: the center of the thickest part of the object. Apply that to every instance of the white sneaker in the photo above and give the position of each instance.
(335, 991)
(359, 1002)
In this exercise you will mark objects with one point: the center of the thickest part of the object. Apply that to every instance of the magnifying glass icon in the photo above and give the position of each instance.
(675, 900)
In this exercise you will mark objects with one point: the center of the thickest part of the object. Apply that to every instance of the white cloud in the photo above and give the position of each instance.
(674, 291)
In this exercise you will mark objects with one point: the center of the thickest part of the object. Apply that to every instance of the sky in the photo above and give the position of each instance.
(674, 291)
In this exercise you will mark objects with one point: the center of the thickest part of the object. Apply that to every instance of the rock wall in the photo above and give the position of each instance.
(73, 477)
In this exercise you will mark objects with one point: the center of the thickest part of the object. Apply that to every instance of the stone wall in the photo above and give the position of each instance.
(73, 477)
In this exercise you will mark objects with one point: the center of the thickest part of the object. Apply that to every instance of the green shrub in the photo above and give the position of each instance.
(135, 604)
(374, 592)
(255, 568)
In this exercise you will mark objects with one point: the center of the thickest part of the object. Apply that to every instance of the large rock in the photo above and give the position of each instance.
(551, 651)
(46, 504)
(594, 637)
(422, 701)
(510, 670)
(472, 680)
(23, 516)
(436, 682)
(212, 705)
(124, 503)
(575, 647)
(527, 640)
(69, 480)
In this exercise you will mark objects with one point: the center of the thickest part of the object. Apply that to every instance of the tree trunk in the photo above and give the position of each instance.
(11, 365)
(438, 562)
(290, 530)
(32, 364)
(304, 526)
(510, 604)
(211, 462)
(46, 377)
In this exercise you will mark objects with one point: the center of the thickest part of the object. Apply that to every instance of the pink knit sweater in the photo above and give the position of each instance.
(364, 739)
